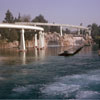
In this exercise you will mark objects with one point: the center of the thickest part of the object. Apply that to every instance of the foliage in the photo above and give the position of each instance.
(18, 19)
(29, 35)
(25, 18)
(11, 34)
(8, 17)
(40, 19)
(67, 31)
(95, 31)
(55, 29)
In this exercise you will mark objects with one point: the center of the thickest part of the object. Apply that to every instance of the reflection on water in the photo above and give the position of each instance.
(22, 55)
(42, 74)
(12, 56)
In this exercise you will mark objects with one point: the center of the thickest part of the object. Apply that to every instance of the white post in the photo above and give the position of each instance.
(89, 32)
(78, 31)
(61, 30)
(36, 42)
(41, 40)
(22, 41)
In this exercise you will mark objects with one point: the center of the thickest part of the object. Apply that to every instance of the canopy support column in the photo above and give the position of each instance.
(22, 41)
(61, 30)
(78, 31)
(36, 41)
(41, 40)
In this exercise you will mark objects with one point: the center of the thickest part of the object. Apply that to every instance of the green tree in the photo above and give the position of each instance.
(9, 34)
(8, 17)
(3, 33)
(13, 35)
(18, 19)
(95, 31)
(40, 19)
(29, 34)
(55, 29)
(67, 31)
(25, 18)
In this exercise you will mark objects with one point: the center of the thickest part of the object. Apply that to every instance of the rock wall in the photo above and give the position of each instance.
(70, 40)
(65, 40)
(5, 44)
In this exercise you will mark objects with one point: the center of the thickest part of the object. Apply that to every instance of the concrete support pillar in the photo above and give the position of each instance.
(89, 32)
(41, 40)
(36, 41)
(78, 31)
(22, 41)
(61, 30)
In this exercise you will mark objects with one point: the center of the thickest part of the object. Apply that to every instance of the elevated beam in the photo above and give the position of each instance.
(15, 26)
(52, 24)
(22, 38)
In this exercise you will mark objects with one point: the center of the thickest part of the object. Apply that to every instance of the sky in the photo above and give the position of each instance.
(59, 11)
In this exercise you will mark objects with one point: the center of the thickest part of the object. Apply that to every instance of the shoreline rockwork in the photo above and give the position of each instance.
(65, 40)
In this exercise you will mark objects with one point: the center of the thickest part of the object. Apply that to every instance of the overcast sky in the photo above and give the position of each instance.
(58, 11)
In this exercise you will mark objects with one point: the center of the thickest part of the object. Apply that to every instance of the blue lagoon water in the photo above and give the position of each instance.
(45, 75)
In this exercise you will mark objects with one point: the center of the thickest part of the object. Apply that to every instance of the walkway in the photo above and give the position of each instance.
(59, 25)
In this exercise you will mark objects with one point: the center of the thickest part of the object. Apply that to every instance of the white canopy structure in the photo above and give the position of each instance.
(54, 24)
(23, 27)
(15, 26)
